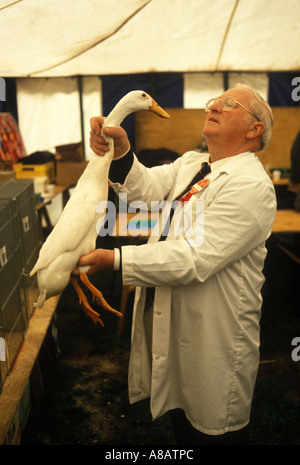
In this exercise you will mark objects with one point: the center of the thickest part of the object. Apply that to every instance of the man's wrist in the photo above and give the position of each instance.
(122, 155)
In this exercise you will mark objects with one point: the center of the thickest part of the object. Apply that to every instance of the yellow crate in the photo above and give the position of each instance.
(32, 171)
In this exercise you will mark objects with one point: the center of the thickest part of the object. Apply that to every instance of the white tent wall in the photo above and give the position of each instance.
(92, 105)
(49, 111)
(200, 87)
(49, 115)
(258, 81)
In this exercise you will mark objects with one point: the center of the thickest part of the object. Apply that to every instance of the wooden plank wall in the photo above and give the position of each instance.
(183, 132)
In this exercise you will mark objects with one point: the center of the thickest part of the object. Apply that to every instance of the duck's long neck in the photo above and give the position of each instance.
(114, 119)
(119, 112)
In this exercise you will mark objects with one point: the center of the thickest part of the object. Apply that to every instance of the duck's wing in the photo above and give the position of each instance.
(75, 222)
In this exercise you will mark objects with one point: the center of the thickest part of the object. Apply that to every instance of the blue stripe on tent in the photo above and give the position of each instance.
(284, 89)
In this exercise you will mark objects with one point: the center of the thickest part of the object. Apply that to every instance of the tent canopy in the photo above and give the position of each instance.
(56, 38)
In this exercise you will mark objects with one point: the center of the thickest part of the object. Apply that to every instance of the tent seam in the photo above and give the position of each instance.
(226, 34)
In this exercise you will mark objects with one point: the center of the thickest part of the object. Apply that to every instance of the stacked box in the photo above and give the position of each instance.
(12, 296)
(70, 163)
(25, 171)
(19, 246)
(22, 194)
(13, 321)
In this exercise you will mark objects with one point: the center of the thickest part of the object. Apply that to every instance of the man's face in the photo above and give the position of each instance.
(228, 126)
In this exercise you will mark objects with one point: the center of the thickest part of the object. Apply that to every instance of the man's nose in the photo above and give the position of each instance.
(216, 106)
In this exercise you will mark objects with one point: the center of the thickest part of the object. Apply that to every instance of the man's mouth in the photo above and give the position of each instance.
(213, 120)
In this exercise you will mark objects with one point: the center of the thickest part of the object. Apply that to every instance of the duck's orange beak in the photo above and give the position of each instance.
(158, 110)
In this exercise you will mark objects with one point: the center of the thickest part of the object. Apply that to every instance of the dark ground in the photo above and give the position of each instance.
(86, 399)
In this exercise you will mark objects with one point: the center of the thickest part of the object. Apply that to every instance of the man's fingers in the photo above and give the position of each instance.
(96, 124)
(88, 259)
(97, 260)
(98, 144)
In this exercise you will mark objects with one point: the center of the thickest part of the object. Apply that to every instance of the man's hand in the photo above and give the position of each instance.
(99, 259)
(100, 146)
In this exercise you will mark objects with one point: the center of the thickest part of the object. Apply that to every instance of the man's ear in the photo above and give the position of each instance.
(256, 130)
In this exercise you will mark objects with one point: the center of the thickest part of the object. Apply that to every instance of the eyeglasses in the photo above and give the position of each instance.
(227, 104)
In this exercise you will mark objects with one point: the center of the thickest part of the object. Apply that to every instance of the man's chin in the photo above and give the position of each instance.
(210, 130)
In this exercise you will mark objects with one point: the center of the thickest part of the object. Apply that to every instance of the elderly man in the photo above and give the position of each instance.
(195, 334)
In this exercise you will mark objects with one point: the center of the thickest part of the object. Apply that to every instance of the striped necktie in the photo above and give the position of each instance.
(186, 195)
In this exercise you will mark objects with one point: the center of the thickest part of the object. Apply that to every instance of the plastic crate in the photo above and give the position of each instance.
(11, 271)
(21, 193)
(12, 322)
(11, 253)
(24, 171)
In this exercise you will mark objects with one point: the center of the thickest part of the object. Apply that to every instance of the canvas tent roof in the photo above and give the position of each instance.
(52, 38)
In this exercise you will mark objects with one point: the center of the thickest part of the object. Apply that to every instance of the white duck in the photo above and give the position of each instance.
(75, 233)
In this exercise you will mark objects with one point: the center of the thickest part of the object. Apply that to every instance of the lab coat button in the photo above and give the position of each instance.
(158, 313)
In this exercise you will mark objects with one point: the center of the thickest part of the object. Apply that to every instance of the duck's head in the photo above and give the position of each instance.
(140, 100)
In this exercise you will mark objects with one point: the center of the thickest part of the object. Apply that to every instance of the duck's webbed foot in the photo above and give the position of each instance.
(95, 317)
(98, 295)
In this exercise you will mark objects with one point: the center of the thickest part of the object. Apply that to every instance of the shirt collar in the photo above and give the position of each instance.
(225, 164)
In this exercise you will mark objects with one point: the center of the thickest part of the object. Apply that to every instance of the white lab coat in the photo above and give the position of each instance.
(205, 344)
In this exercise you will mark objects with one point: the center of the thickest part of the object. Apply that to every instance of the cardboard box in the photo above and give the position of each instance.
(24, 171)
(7, 175)
(68, 172)
(69, 152)
(70, 163)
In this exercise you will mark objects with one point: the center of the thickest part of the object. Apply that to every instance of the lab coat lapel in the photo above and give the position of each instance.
(185, 176)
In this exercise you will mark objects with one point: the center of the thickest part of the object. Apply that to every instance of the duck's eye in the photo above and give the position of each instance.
(143, 95)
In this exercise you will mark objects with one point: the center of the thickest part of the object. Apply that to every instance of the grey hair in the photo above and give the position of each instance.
(260, 108)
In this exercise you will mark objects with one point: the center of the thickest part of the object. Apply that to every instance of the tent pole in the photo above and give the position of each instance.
(225, 81)
(79, 81)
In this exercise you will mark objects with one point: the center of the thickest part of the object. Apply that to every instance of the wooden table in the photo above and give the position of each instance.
(286, 221)
(281, 182)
